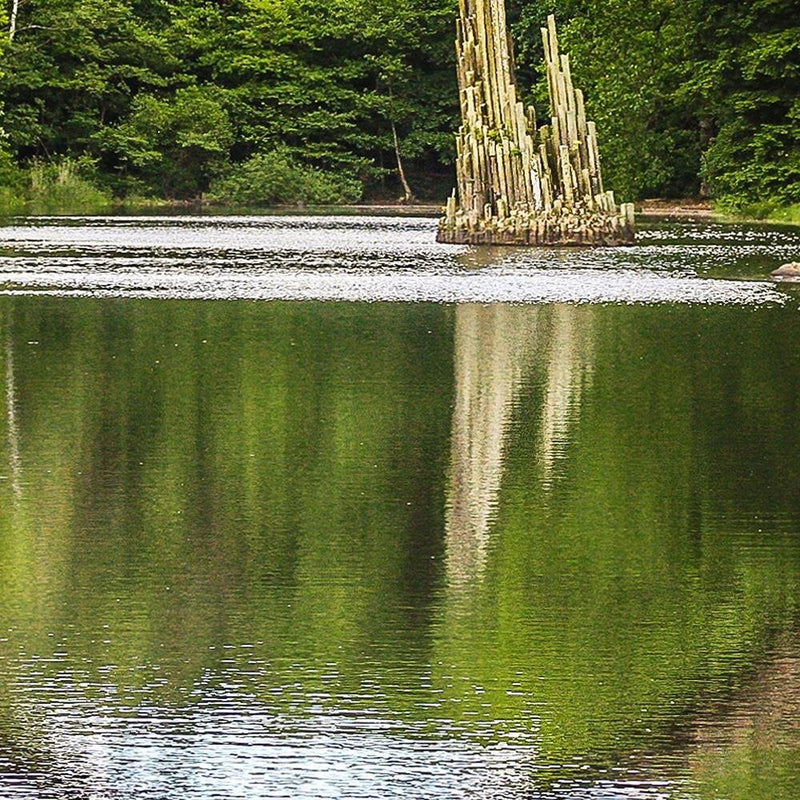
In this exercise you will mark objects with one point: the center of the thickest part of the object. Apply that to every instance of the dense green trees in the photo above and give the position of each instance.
(747, 85)
(164, 94)
(697, 96)
(165, 97)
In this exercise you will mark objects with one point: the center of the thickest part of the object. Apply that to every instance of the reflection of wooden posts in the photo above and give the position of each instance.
(492, 347)
(517, 184)
(569, 366)
(497, 350)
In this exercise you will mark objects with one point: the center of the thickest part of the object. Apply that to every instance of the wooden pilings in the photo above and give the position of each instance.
(517, 184)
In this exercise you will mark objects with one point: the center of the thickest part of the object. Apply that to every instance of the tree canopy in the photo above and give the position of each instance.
(175, 98)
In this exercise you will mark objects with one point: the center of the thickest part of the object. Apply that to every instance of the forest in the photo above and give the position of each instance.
(264, 102)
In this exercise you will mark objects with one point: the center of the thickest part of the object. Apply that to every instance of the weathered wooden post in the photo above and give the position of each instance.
(517, 184)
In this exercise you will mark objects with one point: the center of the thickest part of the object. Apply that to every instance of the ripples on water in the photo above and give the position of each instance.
(546, 551)
(341, 258)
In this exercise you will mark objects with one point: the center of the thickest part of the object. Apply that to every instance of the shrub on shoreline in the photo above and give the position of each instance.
(65, 185)
(275, 178)
(766, 210)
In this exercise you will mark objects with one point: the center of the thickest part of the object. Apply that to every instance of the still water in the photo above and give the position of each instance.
(316, 508)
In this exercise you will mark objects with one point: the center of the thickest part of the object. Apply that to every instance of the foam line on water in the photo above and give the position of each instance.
(544, 286)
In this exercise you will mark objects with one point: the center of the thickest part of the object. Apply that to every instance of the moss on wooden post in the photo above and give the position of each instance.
(517, 184)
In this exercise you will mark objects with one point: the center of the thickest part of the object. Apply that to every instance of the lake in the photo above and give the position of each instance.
(314, 507)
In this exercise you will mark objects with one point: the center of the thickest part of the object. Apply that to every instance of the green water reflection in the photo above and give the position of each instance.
(573, 528)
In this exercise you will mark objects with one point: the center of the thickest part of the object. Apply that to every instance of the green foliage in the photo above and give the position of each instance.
(75, 66)
(64, 185)
(621, 53)
(744, 165)
(176, 144)
(745, 77)
(697, 97)
(691, 97)
(327, 80)
(768, 210)
(10, 174)
(788, 214)
(275, 178)
(11, 202)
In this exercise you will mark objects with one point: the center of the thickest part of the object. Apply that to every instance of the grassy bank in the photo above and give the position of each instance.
(766, 211)
(74, 186)
(276, 182)
(786, 214)
(64, 186)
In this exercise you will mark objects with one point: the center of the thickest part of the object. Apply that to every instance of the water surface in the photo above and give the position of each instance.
(378, 258)
(547, 548)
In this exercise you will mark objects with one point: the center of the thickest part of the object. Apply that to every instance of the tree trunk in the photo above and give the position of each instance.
(706, 136)
(12, 25)
(408, 195)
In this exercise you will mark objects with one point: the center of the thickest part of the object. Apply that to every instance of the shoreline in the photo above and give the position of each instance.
(680, 209)
(649, 209)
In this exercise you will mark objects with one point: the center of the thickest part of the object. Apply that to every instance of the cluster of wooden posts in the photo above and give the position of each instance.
(519, 184)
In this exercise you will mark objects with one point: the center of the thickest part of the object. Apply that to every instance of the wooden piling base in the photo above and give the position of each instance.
(515, 239)
(582, 225)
